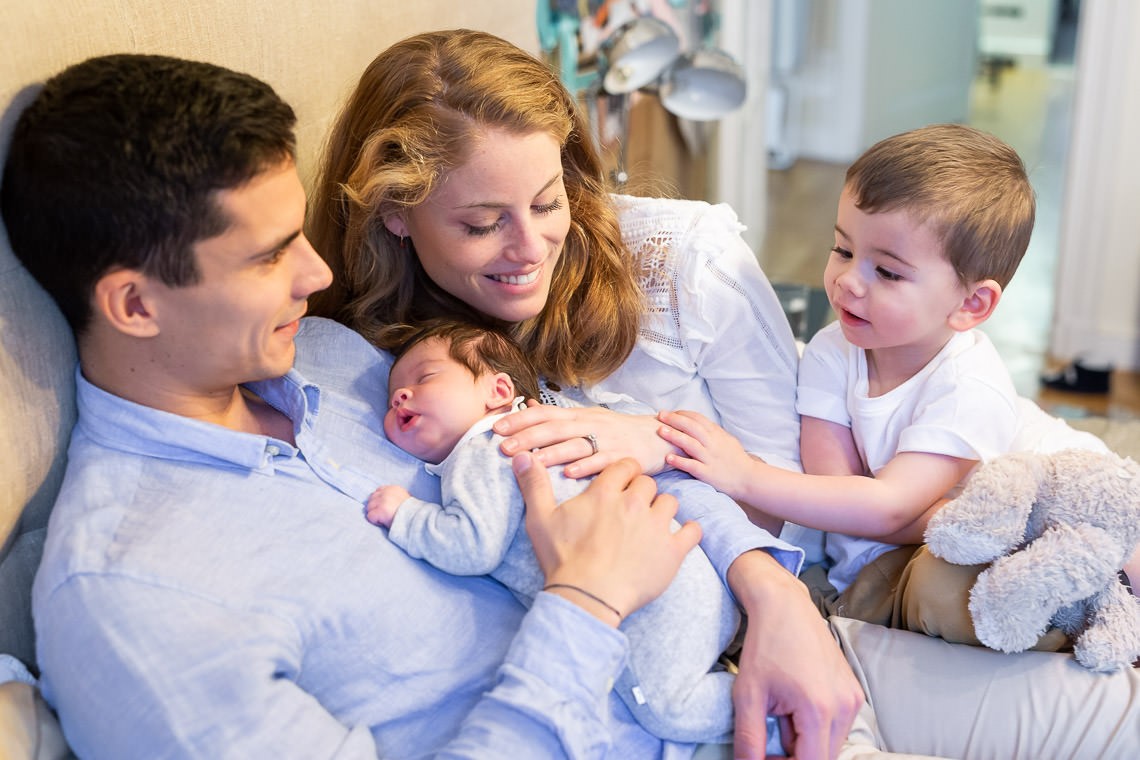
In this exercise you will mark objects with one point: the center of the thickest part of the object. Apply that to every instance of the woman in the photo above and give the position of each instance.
(461, 181)
(453, 187)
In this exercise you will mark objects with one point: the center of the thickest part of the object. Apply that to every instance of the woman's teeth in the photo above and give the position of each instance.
(516, 279)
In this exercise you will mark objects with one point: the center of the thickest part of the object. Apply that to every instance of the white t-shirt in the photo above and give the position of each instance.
(961, 404)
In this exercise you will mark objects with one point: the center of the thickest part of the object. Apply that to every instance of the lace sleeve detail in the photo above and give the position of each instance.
(713, 337)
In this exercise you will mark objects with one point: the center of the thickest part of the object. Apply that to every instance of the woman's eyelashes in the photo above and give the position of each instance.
(490, 229)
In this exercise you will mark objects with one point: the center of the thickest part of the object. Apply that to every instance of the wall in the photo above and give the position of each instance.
(877, 67)
(1097, 309)
(257, 37)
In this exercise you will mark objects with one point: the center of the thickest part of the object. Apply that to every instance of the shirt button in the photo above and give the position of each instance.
(272, 450)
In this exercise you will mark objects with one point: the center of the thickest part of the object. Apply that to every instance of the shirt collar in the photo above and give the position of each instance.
(120, 424)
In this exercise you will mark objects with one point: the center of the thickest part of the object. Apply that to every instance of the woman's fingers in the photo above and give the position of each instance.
(586, 439)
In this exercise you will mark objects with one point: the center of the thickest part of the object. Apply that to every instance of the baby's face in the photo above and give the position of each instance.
(434, 400)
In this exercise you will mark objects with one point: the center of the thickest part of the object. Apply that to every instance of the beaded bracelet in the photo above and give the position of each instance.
(586, 593)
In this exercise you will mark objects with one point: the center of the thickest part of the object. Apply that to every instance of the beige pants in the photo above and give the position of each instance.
(910, 589)
(929, 698)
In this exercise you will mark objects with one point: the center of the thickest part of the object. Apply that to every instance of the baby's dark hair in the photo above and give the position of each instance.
(480, 349)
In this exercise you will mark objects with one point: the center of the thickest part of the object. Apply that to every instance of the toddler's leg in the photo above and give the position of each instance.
(934, 596)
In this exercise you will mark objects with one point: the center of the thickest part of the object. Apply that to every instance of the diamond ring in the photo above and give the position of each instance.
(590, 439)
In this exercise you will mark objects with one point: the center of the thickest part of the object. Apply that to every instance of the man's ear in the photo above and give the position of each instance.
(396, 225)
(122, 299)
(500, 390)
(977, 307)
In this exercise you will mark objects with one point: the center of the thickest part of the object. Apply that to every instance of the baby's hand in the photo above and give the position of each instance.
(712, 454)
(383, 503)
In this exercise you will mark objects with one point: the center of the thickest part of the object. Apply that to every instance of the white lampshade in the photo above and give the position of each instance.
(638, 53)
(703, 85)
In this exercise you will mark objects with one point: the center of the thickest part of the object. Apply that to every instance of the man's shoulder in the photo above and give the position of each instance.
(338, 358)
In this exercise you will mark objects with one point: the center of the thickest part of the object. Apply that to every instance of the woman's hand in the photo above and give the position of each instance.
(560, 437)
(791, 666)
(613, 541)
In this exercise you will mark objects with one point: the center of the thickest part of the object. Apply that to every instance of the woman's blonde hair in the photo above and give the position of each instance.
(414, 116)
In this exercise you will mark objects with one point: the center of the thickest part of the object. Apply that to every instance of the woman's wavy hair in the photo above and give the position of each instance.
(415, 114)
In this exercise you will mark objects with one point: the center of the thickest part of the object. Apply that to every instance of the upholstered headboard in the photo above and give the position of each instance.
(311, 52)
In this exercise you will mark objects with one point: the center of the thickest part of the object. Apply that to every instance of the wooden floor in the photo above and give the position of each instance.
(1029, 108)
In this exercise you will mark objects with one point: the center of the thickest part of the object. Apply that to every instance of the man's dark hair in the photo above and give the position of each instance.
(117, 163)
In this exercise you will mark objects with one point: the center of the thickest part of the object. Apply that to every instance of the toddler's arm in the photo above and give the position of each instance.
(872, 507)
(828, 448)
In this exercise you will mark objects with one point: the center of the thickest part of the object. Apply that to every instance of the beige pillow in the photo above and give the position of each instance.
(28, 729)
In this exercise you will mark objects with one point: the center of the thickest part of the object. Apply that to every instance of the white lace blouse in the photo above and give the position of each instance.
(714, 338)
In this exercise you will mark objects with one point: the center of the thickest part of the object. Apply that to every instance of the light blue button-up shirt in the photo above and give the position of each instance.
(206, 593)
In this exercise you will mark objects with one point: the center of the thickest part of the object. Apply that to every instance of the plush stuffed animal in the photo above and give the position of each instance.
(1058, 528)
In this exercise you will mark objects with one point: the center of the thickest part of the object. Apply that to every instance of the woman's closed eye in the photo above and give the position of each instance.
(548, 208)
(484, 231)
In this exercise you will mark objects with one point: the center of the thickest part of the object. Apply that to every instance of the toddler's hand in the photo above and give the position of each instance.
(383, 503)
(712, 454)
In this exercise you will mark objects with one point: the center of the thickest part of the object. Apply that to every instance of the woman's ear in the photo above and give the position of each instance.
(977, 307)
(122, 298)
(396, 225)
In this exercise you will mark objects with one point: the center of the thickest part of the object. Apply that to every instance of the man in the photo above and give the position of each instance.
(209, 585)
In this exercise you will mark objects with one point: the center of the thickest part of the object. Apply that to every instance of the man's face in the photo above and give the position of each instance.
(236, 325)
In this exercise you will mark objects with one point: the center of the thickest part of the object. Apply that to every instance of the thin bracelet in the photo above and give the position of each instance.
(584, 592)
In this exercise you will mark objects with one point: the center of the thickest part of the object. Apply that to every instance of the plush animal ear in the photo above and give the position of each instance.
(981, 300)
(124, 299)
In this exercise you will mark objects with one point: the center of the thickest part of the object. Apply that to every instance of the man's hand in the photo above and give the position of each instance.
(614, 540)
(791, 666)
(383, 503)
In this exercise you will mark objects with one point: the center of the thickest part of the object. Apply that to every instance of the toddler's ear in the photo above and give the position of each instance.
(977, 306)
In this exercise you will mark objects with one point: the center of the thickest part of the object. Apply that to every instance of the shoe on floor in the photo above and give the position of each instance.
(1078, 377)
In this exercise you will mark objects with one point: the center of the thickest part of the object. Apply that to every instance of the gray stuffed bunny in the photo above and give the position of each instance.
(1058, 528)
